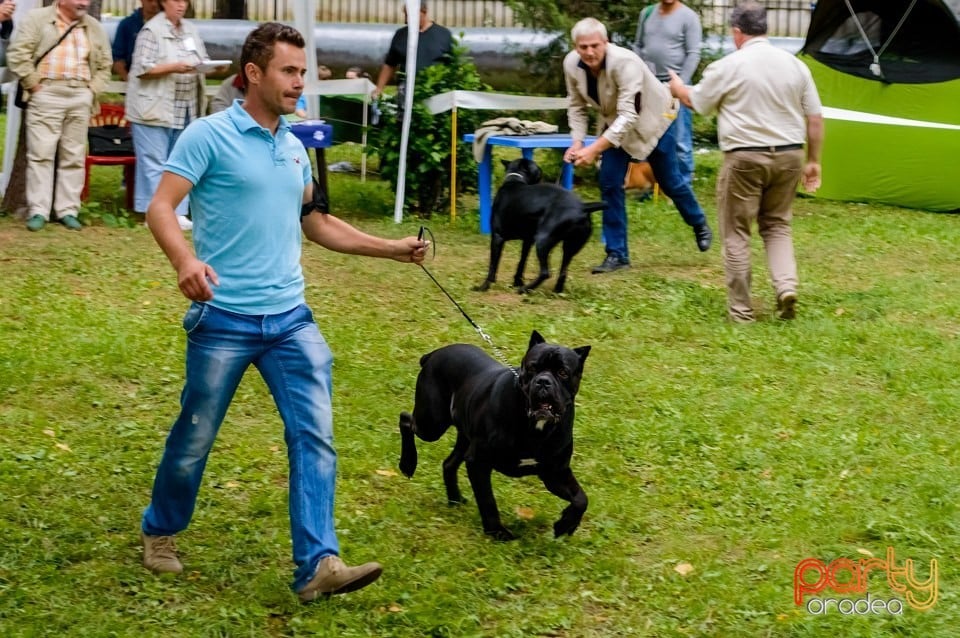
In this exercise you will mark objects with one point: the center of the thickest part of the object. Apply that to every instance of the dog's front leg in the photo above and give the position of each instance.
(496, 249)
(479, 475)
(564, 485)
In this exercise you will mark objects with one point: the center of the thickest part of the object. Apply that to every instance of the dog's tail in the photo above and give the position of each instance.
(423, 359)
(592, 207)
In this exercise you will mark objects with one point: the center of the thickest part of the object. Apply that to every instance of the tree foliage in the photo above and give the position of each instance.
(620, 18)
(428, 152)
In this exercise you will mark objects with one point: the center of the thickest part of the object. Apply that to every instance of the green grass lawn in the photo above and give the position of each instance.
(716, 457)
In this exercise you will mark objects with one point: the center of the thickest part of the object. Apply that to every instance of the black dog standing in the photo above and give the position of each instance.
(541, 215)
(515, 421)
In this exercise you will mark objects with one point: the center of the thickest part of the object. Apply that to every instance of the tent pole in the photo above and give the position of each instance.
(453, 162)
(363, 137)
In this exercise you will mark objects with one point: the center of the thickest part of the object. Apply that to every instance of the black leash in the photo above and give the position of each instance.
(483, 335)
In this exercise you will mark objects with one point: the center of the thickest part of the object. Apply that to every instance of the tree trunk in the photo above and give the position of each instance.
(15, 197)
(231, 9)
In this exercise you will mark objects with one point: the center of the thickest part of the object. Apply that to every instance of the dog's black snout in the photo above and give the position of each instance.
(542, 382)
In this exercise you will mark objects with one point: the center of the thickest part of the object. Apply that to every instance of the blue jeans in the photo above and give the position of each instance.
(152, 145)
(685, 143)
(666, 168)
(295, 361)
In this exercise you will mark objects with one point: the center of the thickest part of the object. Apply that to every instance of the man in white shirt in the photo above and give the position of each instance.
(767, 108)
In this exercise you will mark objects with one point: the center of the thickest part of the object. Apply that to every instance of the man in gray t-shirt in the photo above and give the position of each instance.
(668, 39)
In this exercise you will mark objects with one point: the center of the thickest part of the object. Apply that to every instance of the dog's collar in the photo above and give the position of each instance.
(519, 175)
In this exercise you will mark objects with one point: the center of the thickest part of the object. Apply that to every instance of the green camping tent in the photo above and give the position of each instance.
(888, 73)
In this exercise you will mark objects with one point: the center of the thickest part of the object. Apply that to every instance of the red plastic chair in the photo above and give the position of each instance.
(111, 114)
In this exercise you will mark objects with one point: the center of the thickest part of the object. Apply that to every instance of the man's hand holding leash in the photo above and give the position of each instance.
(580, 155)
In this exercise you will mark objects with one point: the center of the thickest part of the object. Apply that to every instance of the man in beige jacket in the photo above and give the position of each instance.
(637, 117)
(62, 89)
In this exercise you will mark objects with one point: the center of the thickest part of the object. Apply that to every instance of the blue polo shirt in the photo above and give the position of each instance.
(247, 191)
(125, 39)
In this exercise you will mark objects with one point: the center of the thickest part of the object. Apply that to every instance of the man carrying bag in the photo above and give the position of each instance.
(62, 57)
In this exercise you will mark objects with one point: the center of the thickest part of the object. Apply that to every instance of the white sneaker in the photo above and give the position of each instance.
(185, 224)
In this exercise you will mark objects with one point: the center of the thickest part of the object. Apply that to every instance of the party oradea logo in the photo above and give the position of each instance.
(862, 589)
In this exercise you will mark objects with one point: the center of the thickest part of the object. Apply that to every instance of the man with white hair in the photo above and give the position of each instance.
(638, 116)
(62, 56)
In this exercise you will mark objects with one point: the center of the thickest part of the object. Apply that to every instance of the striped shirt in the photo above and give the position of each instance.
(70, 59)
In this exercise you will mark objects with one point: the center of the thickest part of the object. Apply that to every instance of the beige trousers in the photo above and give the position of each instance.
(757, 185)
(56, 121)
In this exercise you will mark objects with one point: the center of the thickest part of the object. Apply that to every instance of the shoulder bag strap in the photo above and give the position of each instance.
(57, 43)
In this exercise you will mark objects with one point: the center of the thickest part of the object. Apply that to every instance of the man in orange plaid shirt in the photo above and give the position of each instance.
(62, 90)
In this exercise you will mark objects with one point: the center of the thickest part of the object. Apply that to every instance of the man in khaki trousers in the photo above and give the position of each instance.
(62, 91)
(767, 108)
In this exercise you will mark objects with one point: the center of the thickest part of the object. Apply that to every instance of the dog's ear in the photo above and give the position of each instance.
(535, 339)
(535, 174)
(582, 352)
(506, 163)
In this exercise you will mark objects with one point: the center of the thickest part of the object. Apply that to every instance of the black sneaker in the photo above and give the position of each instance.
(611, 263)
(704, 237)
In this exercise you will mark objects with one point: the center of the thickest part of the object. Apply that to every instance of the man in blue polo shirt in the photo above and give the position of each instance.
(125, 39)
(252, 197)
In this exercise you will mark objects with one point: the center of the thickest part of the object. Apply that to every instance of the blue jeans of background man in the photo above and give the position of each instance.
(294, 360)
(684, 125)
(666, 168)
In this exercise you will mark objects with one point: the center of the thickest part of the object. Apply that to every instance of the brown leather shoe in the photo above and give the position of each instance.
(787, 305)
(160, 554)
(334, 577)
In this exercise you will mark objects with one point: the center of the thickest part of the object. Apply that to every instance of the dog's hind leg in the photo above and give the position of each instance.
(564, 485)
(408, 445)
(571, 246)
(524, 253)
(544, 246)
(450, 467)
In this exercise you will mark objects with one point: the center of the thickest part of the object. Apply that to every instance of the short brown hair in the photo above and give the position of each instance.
(259, 45)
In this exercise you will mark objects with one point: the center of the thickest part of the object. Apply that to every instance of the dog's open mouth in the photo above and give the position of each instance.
(543, 413)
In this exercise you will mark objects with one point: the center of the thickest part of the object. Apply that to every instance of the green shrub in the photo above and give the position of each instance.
(428, 152)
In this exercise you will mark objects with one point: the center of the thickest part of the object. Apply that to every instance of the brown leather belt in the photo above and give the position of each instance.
(768, 149)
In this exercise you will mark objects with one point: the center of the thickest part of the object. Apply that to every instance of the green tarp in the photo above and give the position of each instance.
(892, 137)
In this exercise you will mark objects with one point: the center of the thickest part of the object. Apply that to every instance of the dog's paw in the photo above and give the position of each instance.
(563, 527)
(408, 465)
(500, 534)
(485, 286)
